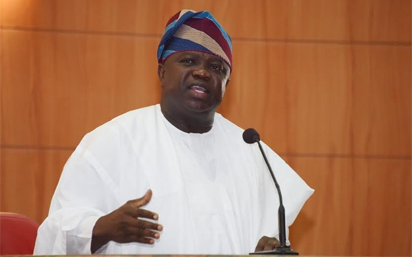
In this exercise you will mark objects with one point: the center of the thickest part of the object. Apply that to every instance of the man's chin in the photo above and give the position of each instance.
(201, 108)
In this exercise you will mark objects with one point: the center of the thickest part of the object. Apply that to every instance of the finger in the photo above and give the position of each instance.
(142, 213)
(260, 248)
(140, 232)
(143, 240)
(130, 210)
(132, 234)
(261, 244)
(271, 244)
(269, 247)
(149, 225)
(139, 223)
(137, 203)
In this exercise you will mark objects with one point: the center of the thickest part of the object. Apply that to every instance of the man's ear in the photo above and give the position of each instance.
(161, 71)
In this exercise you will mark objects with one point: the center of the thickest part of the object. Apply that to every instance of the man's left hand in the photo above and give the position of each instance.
(267, 244)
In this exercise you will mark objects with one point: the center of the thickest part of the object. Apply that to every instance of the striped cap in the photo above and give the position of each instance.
(195, 31)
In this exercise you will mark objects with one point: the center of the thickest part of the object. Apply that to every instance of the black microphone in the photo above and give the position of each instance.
(251, 136)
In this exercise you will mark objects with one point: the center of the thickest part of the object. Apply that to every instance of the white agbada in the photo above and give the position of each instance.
(212, 191)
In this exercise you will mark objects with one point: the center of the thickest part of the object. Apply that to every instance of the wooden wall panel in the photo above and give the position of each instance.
(303, 98)
(326, 83)
(335, 221)
(28, 180)
(358, 20)
(56, 86)
(323, 99)
(360, 207)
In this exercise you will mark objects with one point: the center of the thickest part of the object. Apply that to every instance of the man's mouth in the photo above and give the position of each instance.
(198, 89)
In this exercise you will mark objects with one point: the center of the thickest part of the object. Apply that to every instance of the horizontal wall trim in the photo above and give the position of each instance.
(346, 156)
(240, 39)
(300, 155)
(34, 147)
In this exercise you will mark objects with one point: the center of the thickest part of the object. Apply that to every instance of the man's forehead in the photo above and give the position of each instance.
(204, 55)
(197, 55)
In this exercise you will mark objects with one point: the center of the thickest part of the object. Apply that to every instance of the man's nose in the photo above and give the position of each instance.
(201, 73)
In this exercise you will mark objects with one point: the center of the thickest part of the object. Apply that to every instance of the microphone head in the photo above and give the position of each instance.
(251, 136)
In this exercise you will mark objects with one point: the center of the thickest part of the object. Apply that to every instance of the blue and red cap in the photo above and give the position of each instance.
(195, 31)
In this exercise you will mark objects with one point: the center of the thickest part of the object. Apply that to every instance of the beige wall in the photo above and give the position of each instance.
(326, 82)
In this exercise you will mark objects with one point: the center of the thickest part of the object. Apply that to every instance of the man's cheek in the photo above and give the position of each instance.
(223, 89)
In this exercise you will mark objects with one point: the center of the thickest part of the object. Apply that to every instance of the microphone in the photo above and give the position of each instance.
(251, 136)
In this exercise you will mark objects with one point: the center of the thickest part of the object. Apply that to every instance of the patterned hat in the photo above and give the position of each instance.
(195, 31)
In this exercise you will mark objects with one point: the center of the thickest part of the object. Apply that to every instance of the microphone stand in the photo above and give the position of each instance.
(283, 249)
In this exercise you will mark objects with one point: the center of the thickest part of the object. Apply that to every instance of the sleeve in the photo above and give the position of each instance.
(295, 192)
(85, 193)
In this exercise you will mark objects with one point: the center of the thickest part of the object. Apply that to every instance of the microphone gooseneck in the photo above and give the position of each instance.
(251, 136)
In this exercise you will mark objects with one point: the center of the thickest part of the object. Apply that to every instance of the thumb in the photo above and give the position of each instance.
(143, 200)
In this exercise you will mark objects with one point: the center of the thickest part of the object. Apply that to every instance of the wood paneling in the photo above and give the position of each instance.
(56, 87)
(303, 98)
(326, 83)
(361, 20)
(360, 207)
(28, 180)
(355, 210)
(323, 99)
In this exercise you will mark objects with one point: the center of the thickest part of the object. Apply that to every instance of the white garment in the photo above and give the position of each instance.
(212, 191)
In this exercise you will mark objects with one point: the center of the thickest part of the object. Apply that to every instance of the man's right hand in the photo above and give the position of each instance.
(124, 226)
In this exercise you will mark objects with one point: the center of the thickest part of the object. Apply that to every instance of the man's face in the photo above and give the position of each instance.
(193, 81)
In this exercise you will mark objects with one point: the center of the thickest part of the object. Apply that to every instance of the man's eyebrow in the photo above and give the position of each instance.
(191, 54)
(217, 59)
(213, 58)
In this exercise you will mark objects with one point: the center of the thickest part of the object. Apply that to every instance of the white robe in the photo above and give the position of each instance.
(212, 191)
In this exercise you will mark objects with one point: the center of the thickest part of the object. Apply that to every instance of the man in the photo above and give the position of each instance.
(174, 178)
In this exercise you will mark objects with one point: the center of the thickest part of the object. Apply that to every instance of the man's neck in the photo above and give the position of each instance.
(195, 123)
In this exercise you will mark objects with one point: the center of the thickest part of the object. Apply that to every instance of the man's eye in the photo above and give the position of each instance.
(216, 67)
(187, 61)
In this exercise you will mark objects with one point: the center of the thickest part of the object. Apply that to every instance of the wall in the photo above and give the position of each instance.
(327, 83)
